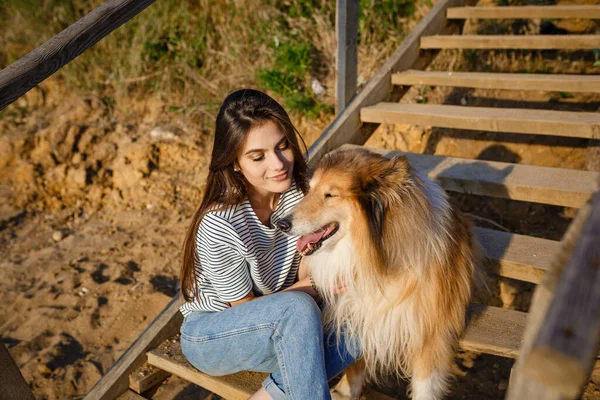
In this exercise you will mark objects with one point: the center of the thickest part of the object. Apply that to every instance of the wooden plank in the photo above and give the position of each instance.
(131, 395)
(347, 128)
(145, 377)
(493, 330)
(116, 380)
(346, 30)
(526, 12)
(516, 120)
(521, 257)
(556, 186)
(523, 385)
(28, 71)
(566, 345)
(484, 80)
(232, 387)
(529, 42)
(240, 386)
(12, 383)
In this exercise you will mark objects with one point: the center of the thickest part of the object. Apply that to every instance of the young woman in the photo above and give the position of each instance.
(249, 304)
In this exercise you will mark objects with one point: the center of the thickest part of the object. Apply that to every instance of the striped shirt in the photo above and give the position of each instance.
(236, 253)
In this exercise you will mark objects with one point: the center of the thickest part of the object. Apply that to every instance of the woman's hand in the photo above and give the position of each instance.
(341, 288)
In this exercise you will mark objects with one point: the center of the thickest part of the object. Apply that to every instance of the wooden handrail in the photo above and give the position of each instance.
(25, 73)
(561, 340)
(566, 346)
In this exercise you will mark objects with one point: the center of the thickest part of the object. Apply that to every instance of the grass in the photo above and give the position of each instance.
(192, 52)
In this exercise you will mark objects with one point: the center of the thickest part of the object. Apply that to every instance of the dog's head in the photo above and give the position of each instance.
(350, 192)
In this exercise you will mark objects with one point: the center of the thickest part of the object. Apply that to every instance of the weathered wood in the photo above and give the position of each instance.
(116, 380)
(521, 257)
(494, 330)
(529, 42)
(28, 71)
(12, 383)
(535, 122)
(563, 187)
(238, 386)
(526, 12)
(523, 386)
(566, 345)
(131, 395)
(485, 80)
(347, 128)
(346, 29)
(145, 377)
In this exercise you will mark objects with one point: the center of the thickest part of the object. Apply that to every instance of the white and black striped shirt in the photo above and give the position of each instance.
(236, 253)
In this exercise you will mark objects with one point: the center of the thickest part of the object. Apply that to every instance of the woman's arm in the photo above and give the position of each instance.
(304, 284)
(249, 296)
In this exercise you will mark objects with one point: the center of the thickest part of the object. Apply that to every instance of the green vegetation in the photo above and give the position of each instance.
(289, 77)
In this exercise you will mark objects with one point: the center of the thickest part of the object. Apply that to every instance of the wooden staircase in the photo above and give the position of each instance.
(490, 330)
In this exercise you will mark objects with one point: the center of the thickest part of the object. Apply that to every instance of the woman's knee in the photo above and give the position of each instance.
(301, 307)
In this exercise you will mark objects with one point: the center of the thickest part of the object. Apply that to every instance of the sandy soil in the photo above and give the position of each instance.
(94, 205)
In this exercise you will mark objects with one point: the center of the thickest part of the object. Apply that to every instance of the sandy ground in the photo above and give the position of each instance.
(94, 206)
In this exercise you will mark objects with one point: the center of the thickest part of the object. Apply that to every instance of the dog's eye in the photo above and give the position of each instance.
(329, 195)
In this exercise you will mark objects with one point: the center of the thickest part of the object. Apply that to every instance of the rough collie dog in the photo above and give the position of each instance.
(406, 258)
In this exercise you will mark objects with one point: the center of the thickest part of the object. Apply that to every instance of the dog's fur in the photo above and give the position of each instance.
(406, 258)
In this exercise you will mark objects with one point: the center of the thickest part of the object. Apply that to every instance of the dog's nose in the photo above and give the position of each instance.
(284, 224)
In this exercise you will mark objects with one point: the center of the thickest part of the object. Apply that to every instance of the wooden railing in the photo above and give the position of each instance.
(31, 69)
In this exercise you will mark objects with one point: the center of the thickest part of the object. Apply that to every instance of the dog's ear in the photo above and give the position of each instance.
(397, 171)
(373, 205)
(380, 188)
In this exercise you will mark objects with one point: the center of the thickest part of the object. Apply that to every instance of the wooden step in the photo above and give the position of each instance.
(520, 257)
(530, 42)
(525, 12)
(168, 357)
(494, 330)
(240, 386)
(556, 186)
(484, 80)
(516, 120)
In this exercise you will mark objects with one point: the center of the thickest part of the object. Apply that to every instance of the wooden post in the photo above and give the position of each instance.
(346, 29)
(25, 73)
(12, 383)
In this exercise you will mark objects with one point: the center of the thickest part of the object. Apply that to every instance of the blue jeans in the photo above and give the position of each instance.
(281, 334)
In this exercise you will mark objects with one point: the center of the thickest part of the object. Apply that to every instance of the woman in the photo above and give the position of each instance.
(249, 303)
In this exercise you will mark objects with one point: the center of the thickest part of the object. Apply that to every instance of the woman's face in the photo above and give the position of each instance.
(267, 160)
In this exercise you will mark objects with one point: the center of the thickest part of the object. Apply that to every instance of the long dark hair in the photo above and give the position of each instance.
(241, 111)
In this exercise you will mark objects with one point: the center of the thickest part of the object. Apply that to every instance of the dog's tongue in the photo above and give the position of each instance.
(314, 237)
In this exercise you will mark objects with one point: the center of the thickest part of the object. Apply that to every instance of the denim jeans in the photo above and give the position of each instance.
(281, 334)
